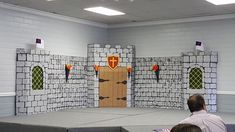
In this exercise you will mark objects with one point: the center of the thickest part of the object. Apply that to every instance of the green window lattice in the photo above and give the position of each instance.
(195, 78)
(37, 78)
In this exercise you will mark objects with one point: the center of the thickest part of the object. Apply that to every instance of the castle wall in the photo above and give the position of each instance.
(82, 88)
(207, 62)
(166, 93)
(56, 93)
(97, 55)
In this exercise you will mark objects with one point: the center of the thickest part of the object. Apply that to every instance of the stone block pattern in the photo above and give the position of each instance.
(163, 94)
(57, 93)
(97, 55)
(82, 88)
(62, 94)
(207, 61)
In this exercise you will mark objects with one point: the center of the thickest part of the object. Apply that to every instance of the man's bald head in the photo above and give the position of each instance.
(196, 103)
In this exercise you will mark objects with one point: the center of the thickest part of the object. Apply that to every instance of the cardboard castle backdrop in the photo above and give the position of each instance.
(47, 82)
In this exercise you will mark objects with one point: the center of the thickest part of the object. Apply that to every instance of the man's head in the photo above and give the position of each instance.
(186, 128)
(196, 103)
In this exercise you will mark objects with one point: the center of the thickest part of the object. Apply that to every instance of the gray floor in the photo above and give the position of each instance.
(132, 119)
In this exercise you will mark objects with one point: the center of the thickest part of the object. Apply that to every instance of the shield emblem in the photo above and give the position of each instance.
(113, 61)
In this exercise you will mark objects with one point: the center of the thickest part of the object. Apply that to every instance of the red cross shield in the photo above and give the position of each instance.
(113, 61)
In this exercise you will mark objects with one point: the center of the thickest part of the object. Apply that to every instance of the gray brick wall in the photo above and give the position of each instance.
(56, 93)
(163, 94)
(62, 94)
(97, 55)
(207, 62)
(82, 88)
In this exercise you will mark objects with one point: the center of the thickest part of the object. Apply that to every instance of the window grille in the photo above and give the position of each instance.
(195, 78)
(37, 78)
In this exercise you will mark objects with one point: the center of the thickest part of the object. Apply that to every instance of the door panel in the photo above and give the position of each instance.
(113, 85)
(122, 87)
(105, 99)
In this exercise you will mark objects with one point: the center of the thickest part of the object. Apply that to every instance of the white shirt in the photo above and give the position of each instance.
(207, 122)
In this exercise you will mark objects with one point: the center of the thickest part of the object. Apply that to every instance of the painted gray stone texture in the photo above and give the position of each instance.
(97, 55)
(56, 93)
(163, 94)
(82, 88)
(207, 62)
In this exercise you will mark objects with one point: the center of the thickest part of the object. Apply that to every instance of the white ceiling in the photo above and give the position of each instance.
(136, 11)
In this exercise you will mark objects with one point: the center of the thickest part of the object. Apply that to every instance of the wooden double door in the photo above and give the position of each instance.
(112, 87)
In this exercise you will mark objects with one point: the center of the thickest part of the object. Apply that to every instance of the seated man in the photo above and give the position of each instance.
(207, 122)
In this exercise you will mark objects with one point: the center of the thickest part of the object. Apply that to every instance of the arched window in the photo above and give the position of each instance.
(195, 78)
(37, 78)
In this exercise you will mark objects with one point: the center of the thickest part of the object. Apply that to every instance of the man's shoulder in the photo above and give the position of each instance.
(207, 117)
(215, 118)
(200, 117)
(187, 120)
